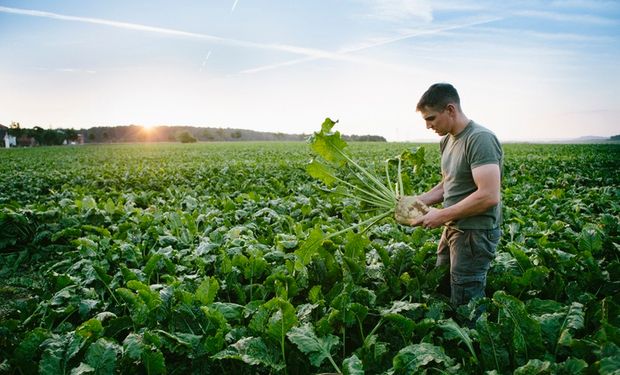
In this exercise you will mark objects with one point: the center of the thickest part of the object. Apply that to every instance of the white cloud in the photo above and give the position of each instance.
(400, 10)
(460, 5)
(74, 70)
(309, 52)
(180, 33)
(377, 42)
(65, 70)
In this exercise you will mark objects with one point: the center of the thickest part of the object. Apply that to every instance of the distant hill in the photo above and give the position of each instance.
(136, 133)
(589, 138)
(584, 139)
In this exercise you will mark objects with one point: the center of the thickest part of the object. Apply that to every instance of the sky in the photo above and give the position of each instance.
(528, 70)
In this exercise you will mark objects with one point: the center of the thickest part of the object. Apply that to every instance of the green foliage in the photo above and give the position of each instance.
(412, 358)
(317, 348)
(495, 351)
(362, 183)
(253, 351)
(102, 355)
(329, 145)
(352, 366)
(524, 331)
(453, 331)
(28, 351)
(322, 172)
(213, 258)
(207, 290)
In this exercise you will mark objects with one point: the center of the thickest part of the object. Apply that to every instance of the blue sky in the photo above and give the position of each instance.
(528, 70)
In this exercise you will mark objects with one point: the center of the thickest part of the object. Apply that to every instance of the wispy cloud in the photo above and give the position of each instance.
(376, 43)
(398, 10)
(313, 53)
(562, 17)
(515, 37)
(67, 70)
(73, 70)
(460, 5)
(586, 4)
(612, 111)
(174, 32)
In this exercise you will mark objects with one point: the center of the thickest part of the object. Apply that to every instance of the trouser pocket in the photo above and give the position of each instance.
(463, 291)
(471, 253)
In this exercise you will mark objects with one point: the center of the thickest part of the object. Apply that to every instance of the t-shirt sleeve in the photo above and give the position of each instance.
(484, 148)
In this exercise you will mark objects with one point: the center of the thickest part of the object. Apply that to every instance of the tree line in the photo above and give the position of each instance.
(41, 136)
(190, 134)
(137, 133)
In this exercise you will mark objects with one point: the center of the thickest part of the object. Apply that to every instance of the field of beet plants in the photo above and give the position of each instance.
(181, 259)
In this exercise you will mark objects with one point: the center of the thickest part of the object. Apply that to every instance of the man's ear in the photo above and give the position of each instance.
(451, 108)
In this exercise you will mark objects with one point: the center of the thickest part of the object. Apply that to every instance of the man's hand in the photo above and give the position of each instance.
(432, 219)
(409, 209)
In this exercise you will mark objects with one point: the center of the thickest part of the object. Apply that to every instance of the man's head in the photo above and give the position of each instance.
(437, 97)
(440, 107)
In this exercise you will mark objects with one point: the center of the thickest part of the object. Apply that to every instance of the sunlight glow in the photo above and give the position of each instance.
(209, 64)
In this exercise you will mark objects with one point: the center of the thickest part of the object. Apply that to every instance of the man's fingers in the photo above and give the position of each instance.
(416, 222)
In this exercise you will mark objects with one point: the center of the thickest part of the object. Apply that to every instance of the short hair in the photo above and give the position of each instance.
(438, 96)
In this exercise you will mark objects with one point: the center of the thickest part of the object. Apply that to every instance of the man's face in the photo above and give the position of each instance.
(439, 121)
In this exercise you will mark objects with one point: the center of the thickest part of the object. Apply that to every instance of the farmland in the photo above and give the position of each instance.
(166, 258)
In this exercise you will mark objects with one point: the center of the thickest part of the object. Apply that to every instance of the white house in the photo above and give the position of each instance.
(8, 139)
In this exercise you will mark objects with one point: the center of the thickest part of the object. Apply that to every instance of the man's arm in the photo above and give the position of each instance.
(487, 178)
(433, 196)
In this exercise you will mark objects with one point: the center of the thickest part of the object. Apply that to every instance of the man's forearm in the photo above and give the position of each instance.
(433, 196)
(475, 204)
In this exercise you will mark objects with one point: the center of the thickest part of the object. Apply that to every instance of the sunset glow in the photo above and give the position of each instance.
(529, 71)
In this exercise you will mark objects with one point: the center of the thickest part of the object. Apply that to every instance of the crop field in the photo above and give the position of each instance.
(181, 259)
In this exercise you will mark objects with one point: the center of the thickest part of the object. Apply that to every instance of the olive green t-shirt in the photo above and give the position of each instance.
(471, 148)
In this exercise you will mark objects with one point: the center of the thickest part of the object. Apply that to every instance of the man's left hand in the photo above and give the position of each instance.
(433, 219)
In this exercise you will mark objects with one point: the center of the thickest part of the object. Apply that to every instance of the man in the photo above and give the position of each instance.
(471, 163)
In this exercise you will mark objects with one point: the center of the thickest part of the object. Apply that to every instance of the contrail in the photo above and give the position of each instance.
(377, 44)
(204, 62)
(234, 6)
(309, 53)
(160, 30)
(313, 53)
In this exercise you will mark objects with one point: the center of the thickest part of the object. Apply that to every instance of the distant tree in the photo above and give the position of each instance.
(37, 133)
(615, 137)
(91, 137)
(71, 134)
(364, 138)
(106, 136)
(47, 137)
(185, 137)
(15, 129)
(208, 135)
(236, 134)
